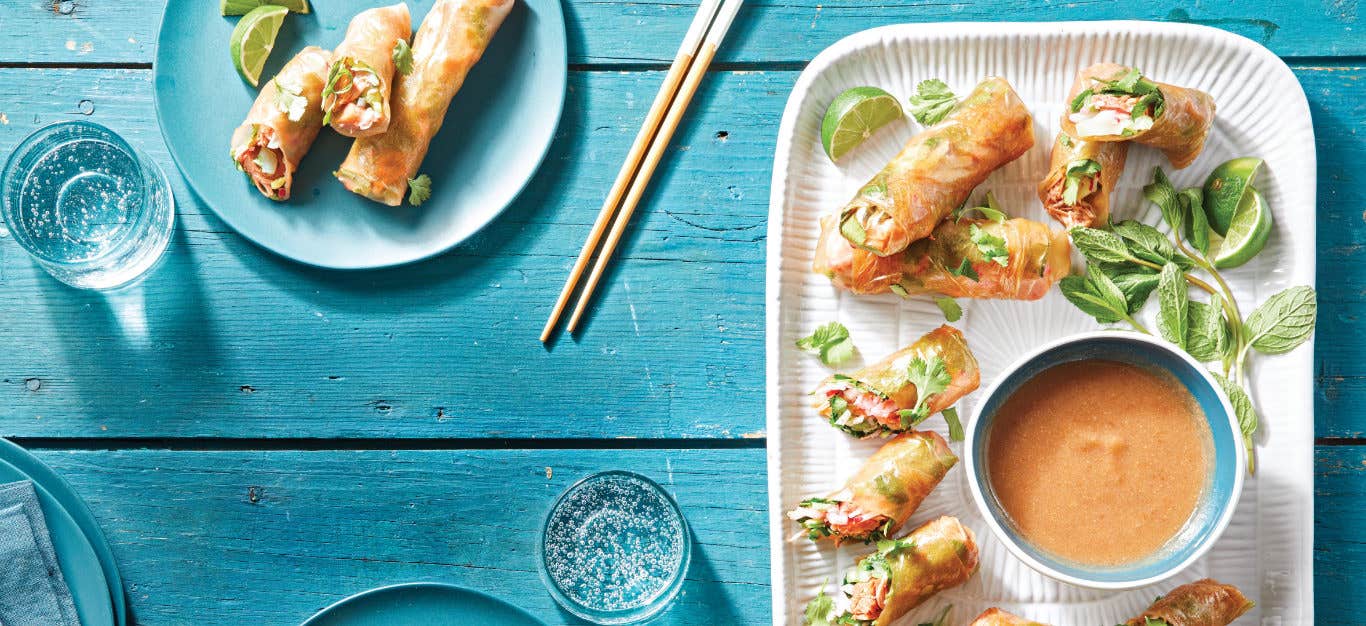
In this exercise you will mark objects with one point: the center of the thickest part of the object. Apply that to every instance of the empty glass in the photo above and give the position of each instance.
(92, 210)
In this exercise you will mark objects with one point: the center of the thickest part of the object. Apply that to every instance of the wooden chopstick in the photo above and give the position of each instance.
(687, 51)
(661, 142)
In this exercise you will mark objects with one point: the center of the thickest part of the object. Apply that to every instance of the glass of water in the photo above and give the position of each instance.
(615, 549)
(93, 211)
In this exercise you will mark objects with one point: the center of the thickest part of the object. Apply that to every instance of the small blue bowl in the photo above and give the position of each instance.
(1216, 505)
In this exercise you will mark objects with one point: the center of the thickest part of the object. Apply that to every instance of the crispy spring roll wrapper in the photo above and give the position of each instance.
(1204, 602)
(282, 124)
(877, 501)
(1037, 257)
(450, 41)
(868, 401)
(938, 168)
(996, 617)
(887, 584)
(361, 78)
(1179, 130)
(1088, 203)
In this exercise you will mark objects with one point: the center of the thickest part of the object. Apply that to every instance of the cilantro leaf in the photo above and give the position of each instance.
(819, 609)
(930, 379)
(403, 57)
(419, 189)
(949, 306)
(1072, 177)
(289, 102)
(932, 101)
(991, 246)
(887, 547)
(965, 269)
(830, 342)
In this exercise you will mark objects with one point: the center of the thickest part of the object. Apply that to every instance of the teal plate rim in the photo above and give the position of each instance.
(319, 618)
(56, 495)
(499, 130)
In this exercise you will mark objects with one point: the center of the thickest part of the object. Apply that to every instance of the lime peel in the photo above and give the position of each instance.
(854, 115)
(253, 39)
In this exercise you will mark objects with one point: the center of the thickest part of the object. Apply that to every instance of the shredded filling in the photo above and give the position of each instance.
(860, 411)
(839, 517)
(1103, 114)
(264, 162)
(354, 98)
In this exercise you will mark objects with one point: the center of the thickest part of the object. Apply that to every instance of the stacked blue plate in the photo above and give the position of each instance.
(82, 551)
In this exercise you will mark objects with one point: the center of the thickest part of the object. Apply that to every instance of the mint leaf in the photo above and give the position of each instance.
(1207, 335)
(990, 210)
(1244, 411)
(403, 57)
(949, 306)
(1096, 295)
(830, 342)
(419, 189)
(1101, 246)
(991, 246)
(1197, 231)
(932, 101)
(1283, 322)
(1173, 301)
(1146, 242)
(1161, 193)
(1135, 282)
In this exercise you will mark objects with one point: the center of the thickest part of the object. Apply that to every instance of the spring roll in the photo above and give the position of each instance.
(901, 575)
(877, 500)
(938, 168)
(875, 400)
(282, 124)
(1204, 602)
(1111, 102)
(450, 41)
(361, 78)
(1081, 176)
(996, 617)
(1017, 259)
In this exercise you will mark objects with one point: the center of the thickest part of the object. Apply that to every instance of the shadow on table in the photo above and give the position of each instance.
(137, 345)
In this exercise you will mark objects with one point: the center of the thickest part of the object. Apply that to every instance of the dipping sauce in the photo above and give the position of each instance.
(1099, 462)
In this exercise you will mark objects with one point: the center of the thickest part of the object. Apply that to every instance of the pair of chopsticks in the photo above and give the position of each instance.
(690, 65)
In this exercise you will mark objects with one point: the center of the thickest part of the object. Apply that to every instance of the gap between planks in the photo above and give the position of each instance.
(376, 443)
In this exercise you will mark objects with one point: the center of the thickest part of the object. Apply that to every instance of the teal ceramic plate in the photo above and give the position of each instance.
(497, 131)
(57, 489)
(422, 604)
(80, 564)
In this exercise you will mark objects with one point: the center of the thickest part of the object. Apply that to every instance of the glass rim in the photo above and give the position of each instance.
(656, 605)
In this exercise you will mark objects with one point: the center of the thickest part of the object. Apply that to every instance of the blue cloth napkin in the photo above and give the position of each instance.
(32, 589)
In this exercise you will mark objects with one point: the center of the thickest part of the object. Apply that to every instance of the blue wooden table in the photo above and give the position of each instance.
(260, 439)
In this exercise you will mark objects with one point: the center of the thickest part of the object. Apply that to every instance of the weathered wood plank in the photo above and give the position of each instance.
(402, 352)
(225, 340)
(605, 31)
(271, 537)
(1339, 550)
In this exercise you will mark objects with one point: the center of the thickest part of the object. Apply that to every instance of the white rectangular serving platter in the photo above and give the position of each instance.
(1262, 111)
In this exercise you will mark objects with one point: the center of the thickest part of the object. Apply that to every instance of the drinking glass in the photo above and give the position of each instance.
(93, 211)
(615, 549)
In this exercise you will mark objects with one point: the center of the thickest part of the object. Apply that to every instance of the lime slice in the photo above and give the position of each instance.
(1225, 189)
(1247, 231)
(242, 7)
(253, 39)
(853, 117)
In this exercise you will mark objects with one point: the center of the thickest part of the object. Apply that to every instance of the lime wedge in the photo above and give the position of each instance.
(253, 39)
(853, 116)
(242, 7)
(1225, 189)
(1247, 231)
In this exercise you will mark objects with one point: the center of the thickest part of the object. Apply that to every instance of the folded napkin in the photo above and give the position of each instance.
(32, 589)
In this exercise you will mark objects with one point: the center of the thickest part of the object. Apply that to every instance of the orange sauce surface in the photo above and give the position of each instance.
(1099, 462)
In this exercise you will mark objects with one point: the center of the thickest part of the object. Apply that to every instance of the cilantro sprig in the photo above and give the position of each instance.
(932, 101)
(830, 342)
(992, 247)
(1129, 82)
(419, 189)
(930, 378)
(403, 57)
